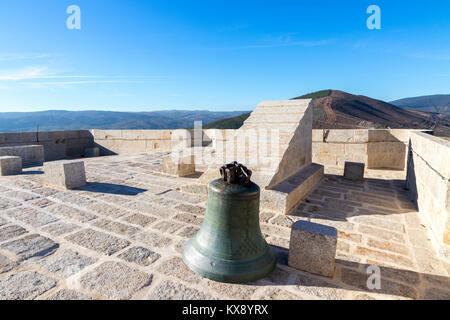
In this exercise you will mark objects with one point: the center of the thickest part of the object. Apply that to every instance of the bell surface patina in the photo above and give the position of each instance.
(229, 246)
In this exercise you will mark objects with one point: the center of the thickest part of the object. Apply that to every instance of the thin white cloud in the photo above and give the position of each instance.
(23, 56)
(66, 84)
(41, 77)
(279, 43)
(35, 73)
(22, 74)
(289, 44)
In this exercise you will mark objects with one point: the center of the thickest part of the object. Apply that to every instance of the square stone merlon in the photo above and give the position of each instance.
(354, 171)
(65, 174)
(10, 165)
(179, 167)
(313, 248)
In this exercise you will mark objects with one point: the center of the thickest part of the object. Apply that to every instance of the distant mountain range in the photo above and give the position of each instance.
(72, 120)
(439, 103)
(334, 109)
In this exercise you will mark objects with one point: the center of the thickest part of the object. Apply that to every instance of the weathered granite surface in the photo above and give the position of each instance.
(53, 145)
(78, 246)
(10, 165)
(65, 174)
(428, 182)
(179, 166)
(32, 155)
(354, 170)
(376, 148)
(313, 248)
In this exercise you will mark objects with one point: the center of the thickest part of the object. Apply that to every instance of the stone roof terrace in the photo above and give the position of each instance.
(122, 235)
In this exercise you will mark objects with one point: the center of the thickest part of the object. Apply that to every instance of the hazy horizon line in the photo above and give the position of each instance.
(97, 110)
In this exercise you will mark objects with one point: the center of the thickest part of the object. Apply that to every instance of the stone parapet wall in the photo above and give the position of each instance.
(377, 148)
(331, 148)
(428, 184)
(141, 141)
(57, 144)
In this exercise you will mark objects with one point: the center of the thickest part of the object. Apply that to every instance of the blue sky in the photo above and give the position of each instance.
(217, 55)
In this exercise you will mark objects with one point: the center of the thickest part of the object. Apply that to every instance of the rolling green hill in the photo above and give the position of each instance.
(315, 95)
(229, 123)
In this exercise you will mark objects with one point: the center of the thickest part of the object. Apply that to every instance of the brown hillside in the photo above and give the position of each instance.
(341, 110)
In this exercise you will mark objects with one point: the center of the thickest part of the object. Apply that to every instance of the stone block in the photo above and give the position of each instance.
(316, 148)
(10, 232)
(354, 171)
(317, 135)
(65, 263)
(284, 197)
(166, 145)
(98, 241)
(386, 155)
(381, 135)
(132, 134)
(65, 295)
(401, 135)
(31, 246)
(168, 290)
(343, 136)
(13, 138)
(326, 159)
(140, 255)
(389, 135)
(115, 280)
(341, 160)
(356, 148)
(106, 134)
(361, 135)
(333, 148)
(7, 264)
(313, 248)
(10, 165)
(65, 174)
(428, 146)
(181, 167)
(364, 158)
(25, 285)
(92, 152)
(31, 155)
(34, 155)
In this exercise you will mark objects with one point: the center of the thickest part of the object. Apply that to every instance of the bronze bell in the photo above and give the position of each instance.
(229, 246)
